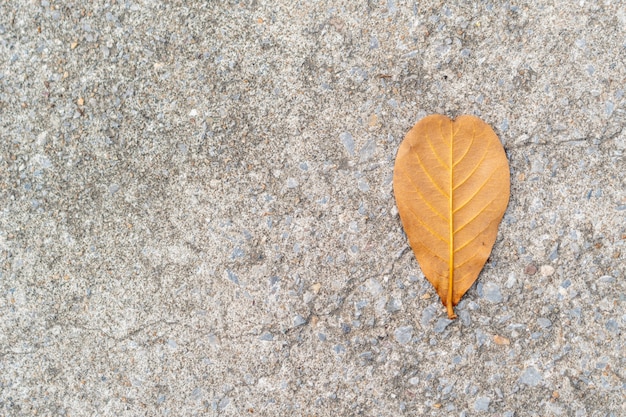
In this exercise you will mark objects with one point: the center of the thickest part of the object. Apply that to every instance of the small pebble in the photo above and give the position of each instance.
(339, 349)
(427, 315)
(499, 340)
(547, 270)
(441, 325)
(348, 141)
(298, 321)
(292, 183)
(606, 279)
(554, 254)
(491, 292)
(608, 108)
(223, 403)
(481, 337)
(266, 337)
(482, 404)
(368, 150)
(374, 287)
(368, 356)
(472, 305)
(403, 334)
(510, 283)
(504, 126)
(544, 322)
(530, 269)
(465, 317)
(196, 394)
(531, 377)
(232, 276)
(374, 42)
(612, 326)
(394, 305)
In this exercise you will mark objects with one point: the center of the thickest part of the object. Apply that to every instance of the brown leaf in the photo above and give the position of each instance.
(451, 182)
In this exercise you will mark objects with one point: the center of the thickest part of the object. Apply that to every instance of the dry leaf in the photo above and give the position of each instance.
(451, 182)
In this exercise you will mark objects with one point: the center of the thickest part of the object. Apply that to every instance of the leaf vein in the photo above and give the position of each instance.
(417, 190)
(432, 148)
(429, 176)
(466, 202)
(476, 236)
(467, 260)
(478, 213)
(425, 226)
(466, 151)
(482, 158)
(433, 253)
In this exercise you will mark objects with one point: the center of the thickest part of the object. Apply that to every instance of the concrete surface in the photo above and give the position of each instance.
(197, 218)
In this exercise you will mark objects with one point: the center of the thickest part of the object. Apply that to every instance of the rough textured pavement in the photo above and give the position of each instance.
(197, 217)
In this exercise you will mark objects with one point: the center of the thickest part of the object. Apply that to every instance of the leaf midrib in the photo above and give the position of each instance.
(450, 226)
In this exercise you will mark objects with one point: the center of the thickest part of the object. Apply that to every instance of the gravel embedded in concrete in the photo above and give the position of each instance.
(197, 216)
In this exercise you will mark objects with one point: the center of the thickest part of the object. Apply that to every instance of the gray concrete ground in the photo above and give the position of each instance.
(197, 217)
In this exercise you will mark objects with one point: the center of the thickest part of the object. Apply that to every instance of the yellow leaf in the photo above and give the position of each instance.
(451, 182)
